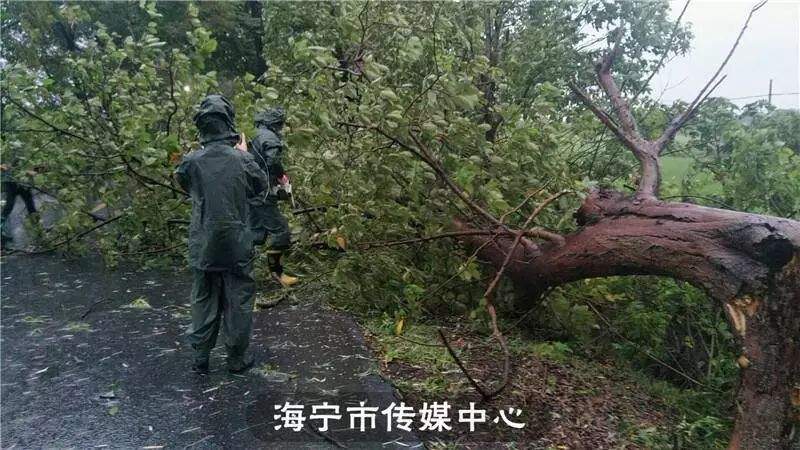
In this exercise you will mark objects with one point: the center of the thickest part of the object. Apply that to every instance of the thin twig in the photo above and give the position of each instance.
(517, 239)
(455, 357)
(145, 180)
(681, 120)
(91, 307)
(50, 194)
(723, 204)
(422, 152)
(532, 232)
(326, 436)
(604, 117)
(155, 251)
(44, 121)
(663, 55)
(487, 296)
(463, 268)
(522, 203)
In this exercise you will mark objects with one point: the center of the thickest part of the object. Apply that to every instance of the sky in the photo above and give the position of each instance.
(769, 49)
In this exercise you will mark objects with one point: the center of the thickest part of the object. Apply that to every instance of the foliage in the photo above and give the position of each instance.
(111, 87)
(664, 327)
(554, 351)
(751, 153)
(104, 124)
(97, 97)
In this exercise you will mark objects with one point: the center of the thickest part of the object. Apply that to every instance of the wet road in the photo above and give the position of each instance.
(86, 363)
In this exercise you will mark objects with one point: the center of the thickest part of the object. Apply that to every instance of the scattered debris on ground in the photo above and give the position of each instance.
(566, 402)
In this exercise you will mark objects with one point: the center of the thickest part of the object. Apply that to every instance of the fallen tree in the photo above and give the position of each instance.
(749, 263)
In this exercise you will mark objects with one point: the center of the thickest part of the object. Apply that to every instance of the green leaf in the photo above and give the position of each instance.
(388, 94)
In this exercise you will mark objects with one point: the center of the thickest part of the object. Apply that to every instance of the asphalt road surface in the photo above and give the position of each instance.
(95, 358)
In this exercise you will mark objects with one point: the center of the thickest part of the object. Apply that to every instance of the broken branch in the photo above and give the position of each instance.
(680, 121)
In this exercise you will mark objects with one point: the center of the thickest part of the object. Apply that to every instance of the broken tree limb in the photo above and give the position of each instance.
(531, 232)
(750, 263)
(92, 306)
(488, 295)
(681, 120)
(646, 151)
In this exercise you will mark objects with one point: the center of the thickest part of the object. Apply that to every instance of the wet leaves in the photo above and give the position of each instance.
(271, 373)
(34, 319)
(311, 349)
(139, 303)
(110, 395)
(77, 327)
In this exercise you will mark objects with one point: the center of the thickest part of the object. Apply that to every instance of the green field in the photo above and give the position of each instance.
(675, 168)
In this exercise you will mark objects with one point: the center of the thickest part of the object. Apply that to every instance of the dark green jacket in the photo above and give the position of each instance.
(267, 149)
(221, 181)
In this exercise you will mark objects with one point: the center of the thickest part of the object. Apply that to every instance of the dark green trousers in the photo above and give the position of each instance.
(270, 225)
(226, 299)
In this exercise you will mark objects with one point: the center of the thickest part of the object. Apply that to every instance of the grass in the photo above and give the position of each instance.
(674, 170)
(687, 418)
(701, 421)
(553, 351)
(433, 357)
(431, 360)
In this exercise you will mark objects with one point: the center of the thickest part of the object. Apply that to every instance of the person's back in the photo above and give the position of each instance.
(266, 218)
(222, 182)
(268, 151)
(220, 236)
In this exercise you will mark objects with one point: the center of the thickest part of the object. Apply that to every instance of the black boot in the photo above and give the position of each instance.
(200, 364)
(240, 365)
(276, 269)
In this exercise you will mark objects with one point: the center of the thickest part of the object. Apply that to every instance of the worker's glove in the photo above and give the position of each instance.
(242, 144)
(284, 188)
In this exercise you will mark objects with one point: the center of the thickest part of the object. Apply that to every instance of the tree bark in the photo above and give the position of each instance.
(748, 262)
(769, 392)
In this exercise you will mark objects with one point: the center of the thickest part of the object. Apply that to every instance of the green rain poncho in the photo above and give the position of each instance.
(222, 182)
(267, 149)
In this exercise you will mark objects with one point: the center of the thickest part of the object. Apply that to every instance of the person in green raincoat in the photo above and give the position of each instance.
(222, 179)
(267, 219)
(12, 188)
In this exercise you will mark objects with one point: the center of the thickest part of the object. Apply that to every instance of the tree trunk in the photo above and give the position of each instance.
(748, 262)
(769, 392)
